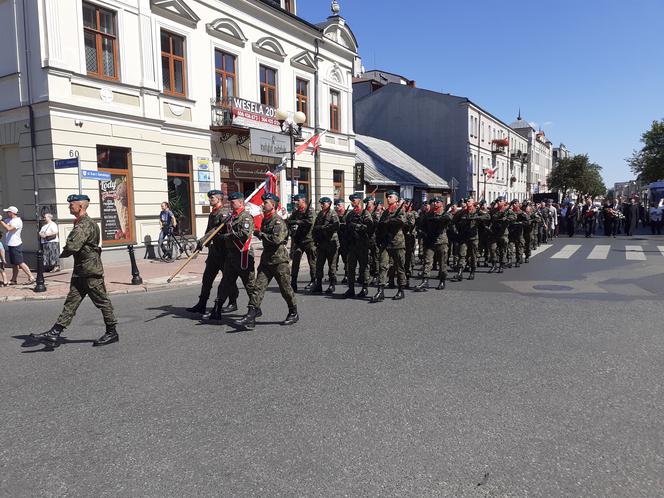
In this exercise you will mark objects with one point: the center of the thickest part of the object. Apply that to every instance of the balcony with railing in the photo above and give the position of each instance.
(235, 116)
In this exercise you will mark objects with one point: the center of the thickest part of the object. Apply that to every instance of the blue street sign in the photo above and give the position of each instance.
(72, 162)
(95, 175)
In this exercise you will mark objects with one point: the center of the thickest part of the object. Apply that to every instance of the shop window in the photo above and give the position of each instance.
(302, 97)
(180, 192)
(101, 43)
(334, 111)
(116, 196)
(268, 79)
(173, 64)
(303, 181)
(338, 182)
(225, 75)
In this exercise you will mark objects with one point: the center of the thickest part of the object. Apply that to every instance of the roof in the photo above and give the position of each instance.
(385, 164)
(521, 123)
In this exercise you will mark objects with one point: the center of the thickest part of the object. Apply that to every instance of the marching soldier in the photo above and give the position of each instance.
(359, 226)
(419, 227)
(516, 239)
(273, 264)
(300, 225)
(87, 278)
(340, 209)
(484, 232)
(326, 238)
(526, 220)
(392, 244)
(409, 234)
(501, 217)
(370, 206)
(467, 221)
(215, 260)
(434, 240)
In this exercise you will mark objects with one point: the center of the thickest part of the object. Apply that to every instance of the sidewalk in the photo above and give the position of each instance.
(118, 279)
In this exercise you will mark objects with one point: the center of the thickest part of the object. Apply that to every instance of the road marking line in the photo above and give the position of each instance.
(661, 249)
(567, 251)
(539, 250)
(634, 253)
(599, 252)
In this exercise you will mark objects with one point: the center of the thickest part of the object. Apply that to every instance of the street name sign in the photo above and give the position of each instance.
(72, 162)
(102, 176)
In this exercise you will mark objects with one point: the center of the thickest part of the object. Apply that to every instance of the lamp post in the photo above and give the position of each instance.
(291, 126)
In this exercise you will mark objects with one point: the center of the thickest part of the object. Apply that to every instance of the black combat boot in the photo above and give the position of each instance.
(458, 277)
(331, 288)
(399, 295)
(109, 337)
(292, 317)
(51, 336)
(215, 314)
(317, 288)
(424, 285)
(310, 285)
(441, 284)
(344, 280)
(200, 307)
(350, 292)
(472, 275)
(232, 306)
(293, 284)
(500, 268)
(527, 260)
(380, 294)
(493, 268)
(518, 263)
(364, 292)
(248, 321)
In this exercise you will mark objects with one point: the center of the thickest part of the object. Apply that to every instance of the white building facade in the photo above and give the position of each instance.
(162, 96)
(539, 159)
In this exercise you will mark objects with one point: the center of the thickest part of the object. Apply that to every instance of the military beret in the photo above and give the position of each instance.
(78, 197)
(353, 197)
(369, 198)
(298, 197)
(483, 202)
(391, 192)
(407, 200)
(215, 192)
(459, 203)
(436, 199)
(338, 202)
(325, 199)
(514, 201)
(499, 198)
(235, 196)
(379, 202)
(271, 197)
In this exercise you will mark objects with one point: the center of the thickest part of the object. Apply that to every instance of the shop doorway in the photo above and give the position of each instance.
(248, 188)
(180, 191)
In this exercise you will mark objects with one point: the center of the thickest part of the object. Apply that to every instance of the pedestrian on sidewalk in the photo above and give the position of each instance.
(167, 223)
(2, 266)
(13, 225)
(50, 244)
(87, 278)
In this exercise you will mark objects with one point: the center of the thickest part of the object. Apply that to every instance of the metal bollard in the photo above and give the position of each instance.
(40, 284)
(135, 274)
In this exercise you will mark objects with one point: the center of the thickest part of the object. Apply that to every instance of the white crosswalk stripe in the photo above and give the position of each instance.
(566, 252)
(540, 250)
(661, 249)
(599, 252)
(634, 253)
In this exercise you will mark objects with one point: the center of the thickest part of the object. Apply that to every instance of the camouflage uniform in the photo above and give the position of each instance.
(274, 261)
(300, 224)
(409, 234)
(435, 242)
(326, 238)
(216, 256)
(392, 245)
(359, 223)
(87, 278)
(500, 221)
(467, 226)
(236, 236)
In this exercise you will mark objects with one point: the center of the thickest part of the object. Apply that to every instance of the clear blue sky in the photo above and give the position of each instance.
(589, 72)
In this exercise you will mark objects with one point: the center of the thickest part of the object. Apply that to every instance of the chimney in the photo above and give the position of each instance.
(411, 84)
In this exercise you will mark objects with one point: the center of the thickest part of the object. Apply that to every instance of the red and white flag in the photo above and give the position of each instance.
(489, 173)
(314, 141)
(254, 201)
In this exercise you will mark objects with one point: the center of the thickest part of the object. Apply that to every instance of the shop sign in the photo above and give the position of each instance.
(270, 144)
(358, 177)
(253, 114)
(114, 197)
(250, 171)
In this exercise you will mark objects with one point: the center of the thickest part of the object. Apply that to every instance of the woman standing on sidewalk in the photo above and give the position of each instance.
(50, 244)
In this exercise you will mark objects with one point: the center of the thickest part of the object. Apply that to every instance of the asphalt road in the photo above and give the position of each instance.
(542, 381)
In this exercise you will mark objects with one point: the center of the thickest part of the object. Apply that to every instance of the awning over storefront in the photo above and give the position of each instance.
(385, 164)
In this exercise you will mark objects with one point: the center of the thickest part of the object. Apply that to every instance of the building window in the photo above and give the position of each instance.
(334, 111)
(303, 181)
(116, 196)
(268, 77)
(338, 182)
(101, 44)
(180, 192)
(173, 64)
(302, 97)
(225, 75)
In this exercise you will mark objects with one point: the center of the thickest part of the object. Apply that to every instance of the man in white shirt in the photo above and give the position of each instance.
(13, 225)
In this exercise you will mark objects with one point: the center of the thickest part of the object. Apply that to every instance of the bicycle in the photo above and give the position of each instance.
(172, 247)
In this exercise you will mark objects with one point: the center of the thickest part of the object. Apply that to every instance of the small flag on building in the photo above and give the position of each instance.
(314, 142)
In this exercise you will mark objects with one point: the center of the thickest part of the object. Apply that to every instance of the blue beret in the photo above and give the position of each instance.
(338, 202)
(325, 199)
(369, 198)
(215, 192)
(271, 197)
(379, 202)
(483, 202)
(514, 201)
(407, 200)
(353, 197)
(500, 198)
(298, 197)
(78, 197)
(391, 192)
(235, 196)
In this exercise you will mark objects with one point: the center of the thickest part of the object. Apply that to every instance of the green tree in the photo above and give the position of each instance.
(578, 174)
(591, 182)
(648, 163)
(563, 176)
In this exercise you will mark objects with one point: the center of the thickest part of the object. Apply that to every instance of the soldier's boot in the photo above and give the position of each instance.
(500, 268)
(380, 294)
(441, 285)
(527, 260)
(331, 288)
(51, 336)
(344, 280)
(215, 314)
(293, 284)
(350, 292)
(317, 288)
(364, 292)
(200, 307)
(472, 275)
(458, 277)
(109, 337)
(424, 285)
(248, 321)
(399, 295)
(408, 283)
(292, 317)
(232, 306)
(517, 264)
(493, 268)
(310, 285)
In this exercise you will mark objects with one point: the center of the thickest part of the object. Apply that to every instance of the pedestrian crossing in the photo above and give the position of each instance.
(602, 252)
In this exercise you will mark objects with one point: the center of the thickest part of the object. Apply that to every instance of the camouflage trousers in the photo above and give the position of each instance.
(398, 257)
(327, 253)
(467, 255)
(232, 271)
(296, 256)
(358, 255)
(435, 253)
(213, 265)
(410, 253)
(80, 287)
(516, 249)
(281, 273)
(498, 250)
(374, 261)
(527, 244)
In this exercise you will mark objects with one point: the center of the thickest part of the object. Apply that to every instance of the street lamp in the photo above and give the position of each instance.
(291, 126)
